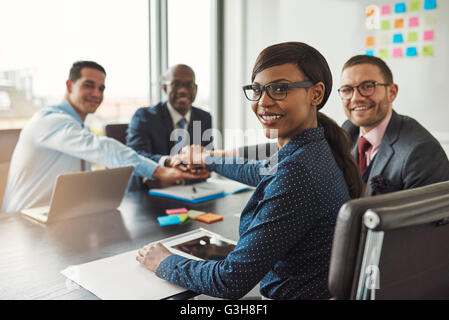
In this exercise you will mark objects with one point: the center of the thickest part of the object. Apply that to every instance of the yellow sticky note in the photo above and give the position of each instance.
(414, 5)
(427, 51)
(412, 37)
(385, 25)
(399, 23)
(383, 53)
(369, 41)
(429, 20)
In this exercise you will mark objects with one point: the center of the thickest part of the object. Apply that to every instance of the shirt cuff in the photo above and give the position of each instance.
(162, 161)
(145, 167)
(166, 267)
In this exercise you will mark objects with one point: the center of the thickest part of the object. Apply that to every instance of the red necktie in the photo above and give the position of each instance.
(364, 145)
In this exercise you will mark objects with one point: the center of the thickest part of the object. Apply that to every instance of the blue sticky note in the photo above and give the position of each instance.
(430, 4)
(369, 52)
(399, 7)
(411, 52)
(168, 220)
(397, 38)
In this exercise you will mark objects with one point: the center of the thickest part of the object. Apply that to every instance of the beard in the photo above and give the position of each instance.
(380, 109)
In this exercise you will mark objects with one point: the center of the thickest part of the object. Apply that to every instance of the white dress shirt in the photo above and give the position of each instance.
(54, 142)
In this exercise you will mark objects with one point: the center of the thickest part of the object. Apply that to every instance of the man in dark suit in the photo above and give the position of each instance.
(159, 132)
(394, 152)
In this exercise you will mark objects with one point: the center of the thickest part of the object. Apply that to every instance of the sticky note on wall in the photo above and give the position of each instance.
(370, 41)
(428, 35)
(412, 37)
(399, 7)
(397, 52)
(385, 25)
(369, 52)
(385, 9)
(399, 23)
(429, 20)
(411, 52)
(383, 53)
(427, 51)
(397, 38)
(430, 4)
(413, 22)
(414, 5)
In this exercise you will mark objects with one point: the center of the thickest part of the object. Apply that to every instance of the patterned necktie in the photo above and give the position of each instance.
(364, 145)
(181, 123)
(183, 137)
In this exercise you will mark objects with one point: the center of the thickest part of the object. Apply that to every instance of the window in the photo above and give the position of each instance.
(189, 42)
(41, 39)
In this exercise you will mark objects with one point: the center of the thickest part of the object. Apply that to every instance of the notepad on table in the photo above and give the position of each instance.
(196, 193)
(199, 192)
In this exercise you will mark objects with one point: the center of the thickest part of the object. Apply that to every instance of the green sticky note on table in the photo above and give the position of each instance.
(383, 53)
(195, 213)
(385, 25)
(183, 217)
(415, 5)
(412, 37)
(427, 51)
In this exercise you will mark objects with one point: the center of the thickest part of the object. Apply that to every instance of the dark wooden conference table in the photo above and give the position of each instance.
(32, 255)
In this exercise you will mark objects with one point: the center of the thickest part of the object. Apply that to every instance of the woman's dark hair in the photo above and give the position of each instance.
(314, 66)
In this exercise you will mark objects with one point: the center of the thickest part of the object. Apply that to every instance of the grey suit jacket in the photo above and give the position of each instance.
(408, 157)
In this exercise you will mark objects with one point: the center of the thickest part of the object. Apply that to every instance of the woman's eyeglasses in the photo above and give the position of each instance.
(276, 91)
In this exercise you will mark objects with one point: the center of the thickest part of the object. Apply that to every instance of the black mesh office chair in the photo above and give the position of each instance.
(393, 246)
(116, 131)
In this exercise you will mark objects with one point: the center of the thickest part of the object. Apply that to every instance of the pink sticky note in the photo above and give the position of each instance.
(428, 35)
(413, 22)
(385, 9)
(397, 52)
(176, 211)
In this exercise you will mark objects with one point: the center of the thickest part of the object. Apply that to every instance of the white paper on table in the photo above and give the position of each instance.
(121, 277)
(229, 186)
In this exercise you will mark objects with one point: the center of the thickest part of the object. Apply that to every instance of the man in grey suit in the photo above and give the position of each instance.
(394, 152)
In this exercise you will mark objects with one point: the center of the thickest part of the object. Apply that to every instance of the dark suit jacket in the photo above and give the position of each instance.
(149, 134)
(408, 157)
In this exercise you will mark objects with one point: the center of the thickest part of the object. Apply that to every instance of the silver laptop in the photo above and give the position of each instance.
(81, 193)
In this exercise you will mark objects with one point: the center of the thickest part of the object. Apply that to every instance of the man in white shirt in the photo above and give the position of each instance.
(160, 131)
(55, 141)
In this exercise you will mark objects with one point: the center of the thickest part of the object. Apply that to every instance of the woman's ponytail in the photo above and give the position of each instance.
(340, 143)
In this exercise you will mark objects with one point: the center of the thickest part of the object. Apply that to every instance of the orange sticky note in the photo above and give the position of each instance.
(369, 41)
(209, 218)
(399, 23)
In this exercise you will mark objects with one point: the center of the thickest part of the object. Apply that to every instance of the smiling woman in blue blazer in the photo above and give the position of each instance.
(286, 228)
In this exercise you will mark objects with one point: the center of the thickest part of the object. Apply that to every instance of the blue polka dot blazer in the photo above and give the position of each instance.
(286, 228)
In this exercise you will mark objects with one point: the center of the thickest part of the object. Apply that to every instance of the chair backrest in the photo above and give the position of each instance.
(116, 131)
(8, 141)
(393, 246)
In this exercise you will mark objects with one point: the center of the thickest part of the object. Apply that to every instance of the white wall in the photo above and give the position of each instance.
(337, 29)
